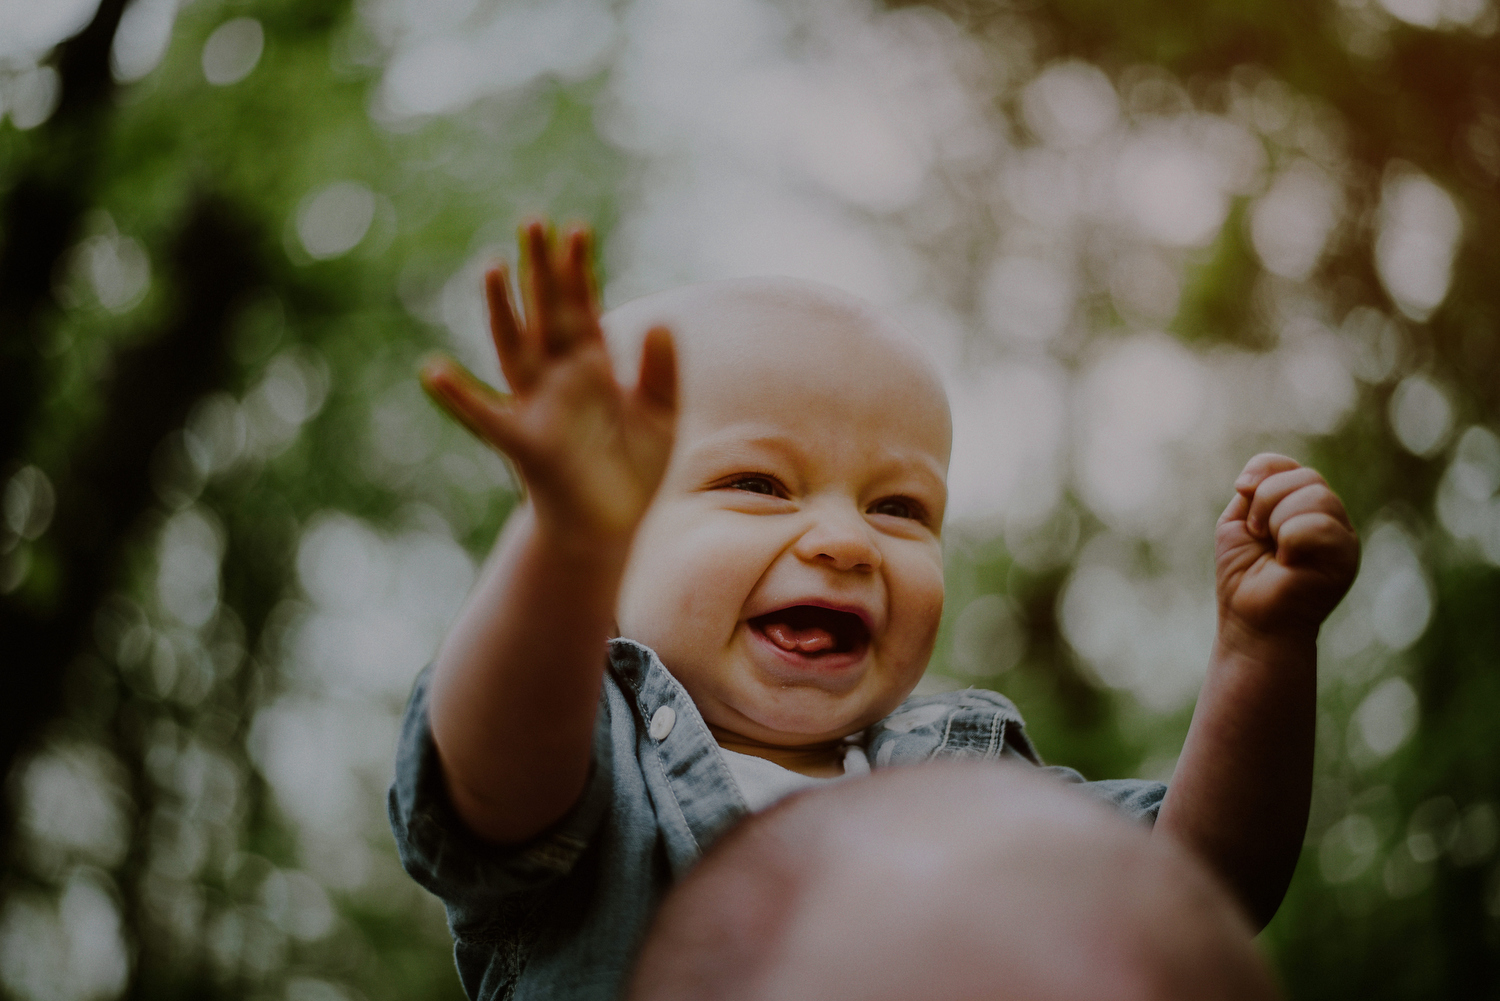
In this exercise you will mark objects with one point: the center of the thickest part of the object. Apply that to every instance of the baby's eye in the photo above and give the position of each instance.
(756, 484)
(900, 507)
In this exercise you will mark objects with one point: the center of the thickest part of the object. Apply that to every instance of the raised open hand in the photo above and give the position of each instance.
(590, 451)
(1284, 549)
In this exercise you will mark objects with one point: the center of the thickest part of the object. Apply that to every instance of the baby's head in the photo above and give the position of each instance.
(789, 570)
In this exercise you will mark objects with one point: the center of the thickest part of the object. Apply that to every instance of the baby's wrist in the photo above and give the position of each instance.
(579, 540)
(1243, 641)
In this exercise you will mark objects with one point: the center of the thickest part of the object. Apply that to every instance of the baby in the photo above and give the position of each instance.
(757, 520)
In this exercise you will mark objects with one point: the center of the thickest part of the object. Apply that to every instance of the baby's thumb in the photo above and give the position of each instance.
(658, 382)
(469, 401)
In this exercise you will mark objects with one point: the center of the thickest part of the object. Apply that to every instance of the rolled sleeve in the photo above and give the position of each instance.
(471, 875)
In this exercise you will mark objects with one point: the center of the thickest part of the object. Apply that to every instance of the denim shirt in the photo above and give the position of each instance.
(561, 916)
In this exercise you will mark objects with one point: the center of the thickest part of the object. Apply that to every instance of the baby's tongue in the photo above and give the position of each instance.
(811, 639)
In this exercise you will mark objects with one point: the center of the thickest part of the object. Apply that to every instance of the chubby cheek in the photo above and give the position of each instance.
(683, 591)
(917, 609)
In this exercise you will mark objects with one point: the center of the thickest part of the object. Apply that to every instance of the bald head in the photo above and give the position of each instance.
(731, 334)
(953, 883)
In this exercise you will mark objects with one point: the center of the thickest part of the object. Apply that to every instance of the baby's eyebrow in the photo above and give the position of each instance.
(739, 445)
(735, 441)
(936, 481)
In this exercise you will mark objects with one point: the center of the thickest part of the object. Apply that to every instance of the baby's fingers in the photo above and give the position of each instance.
(560, 303)
(1238, 507)
(575, 317)
(1271, 491)
(473, 404)
(1259, 468)
(1317, 540)
(576, 283)
(658, 381)
(538, 286)
(520, 360)
(1314, 498)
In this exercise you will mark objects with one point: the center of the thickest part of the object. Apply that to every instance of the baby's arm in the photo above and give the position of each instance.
(516, 683)
(1285, 555)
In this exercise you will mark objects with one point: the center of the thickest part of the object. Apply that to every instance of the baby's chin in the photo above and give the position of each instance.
(797, 715)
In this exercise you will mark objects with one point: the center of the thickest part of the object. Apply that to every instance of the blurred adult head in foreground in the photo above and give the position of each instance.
(948, 882)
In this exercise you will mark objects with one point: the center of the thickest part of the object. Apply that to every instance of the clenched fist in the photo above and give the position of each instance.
(1284, 549)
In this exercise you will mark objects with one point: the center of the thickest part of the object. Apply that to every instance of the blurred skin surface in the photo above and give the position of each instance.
(949, 882)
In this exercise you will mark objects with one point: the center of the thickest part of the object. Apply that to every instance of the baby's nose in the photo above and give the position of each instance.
(841, 540)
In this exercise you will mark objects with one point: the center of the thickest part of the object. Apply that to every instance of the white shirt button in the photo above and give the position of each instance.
(662, 722)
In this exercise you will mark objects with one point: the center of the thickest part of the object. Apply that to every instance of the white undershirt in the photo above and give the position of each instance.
(764, 782)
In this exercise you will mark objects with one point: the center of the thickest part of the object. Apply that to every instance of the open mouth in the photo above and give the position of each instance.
(813, 631)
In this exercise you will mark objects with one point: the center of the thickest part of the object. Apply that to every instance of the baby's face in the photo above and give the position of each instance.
(789, 571)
